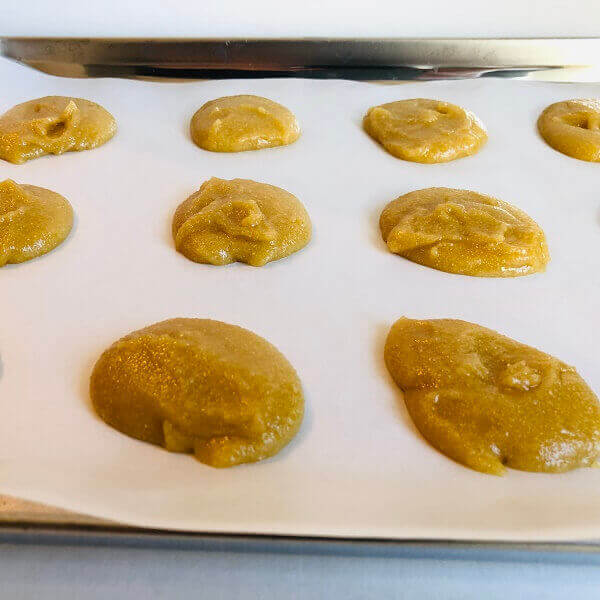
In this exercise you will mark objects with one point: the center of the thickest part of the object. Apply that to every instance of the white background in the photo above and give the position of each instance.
(280, 18)
(101, 573)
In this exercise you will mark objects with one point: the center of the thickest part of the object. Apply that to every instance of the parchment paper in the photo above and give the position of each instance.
(358, 467)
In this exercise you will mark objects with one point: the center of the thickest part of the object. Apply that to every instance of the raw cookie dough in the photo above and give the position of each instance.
(33, 221)
(204, 387)
(239, 123)
(487, 401)
(53, 125)
(573, 128)
(464, 232)
(240, 220)
(425, 131)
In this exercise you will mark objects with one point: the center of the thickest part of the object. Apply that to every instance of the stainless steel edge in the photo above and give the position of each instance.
(405, 58)
(24, 522)
(565, 553)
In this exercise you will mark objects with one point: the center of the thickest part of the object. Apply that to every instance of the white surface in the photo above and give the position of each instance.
(358, 466)
(281, 18)
(31, 572)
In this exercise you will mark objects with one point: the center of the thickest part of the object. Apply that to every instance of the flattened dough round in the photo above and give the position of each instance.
(200, 386)
(240, 220)
(573, 128)
(33, 221)
(464, 232)
(487, 401)
(240, 123)
(425, 131)
(53, 125)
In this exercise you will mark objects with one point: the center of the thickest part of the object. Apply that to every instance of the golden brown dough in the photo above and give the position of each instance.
(464, 232)
(33, 221)
(239, 123)
(53, 125)
(487, 401)
(200, 386)
(573, 128)
(425, 131)
(240, 220)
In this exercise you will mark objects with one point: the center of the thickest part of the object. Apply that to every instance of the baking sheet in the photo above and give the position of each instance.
(358, 467)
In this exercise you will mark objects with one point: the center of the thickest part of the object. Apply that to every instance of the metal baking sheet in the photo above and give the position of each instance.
(25, 522)
(566, 59)
(82, 535)
(358, 469)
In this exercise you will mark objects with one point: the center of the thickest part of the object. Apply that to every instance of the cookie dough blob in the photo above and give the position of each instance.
(425, 131)
(33, 221)
(487, 401)
(53, 125)
(240, 220)
(239, 123)
(200, 386)
(464, 232)
(573, 128)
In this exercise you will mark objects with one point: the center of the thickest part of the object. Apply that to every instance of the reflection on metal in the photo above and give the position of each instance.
(573, 59)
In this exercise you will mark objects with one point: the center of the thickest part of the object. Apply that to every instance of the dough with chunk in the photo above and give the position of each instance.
(239, 123)
(200, 386)
(464, 232)
(487, 401)
(240, 220)
(53, 125)
(33, 221)
(573, 128)
(425, 131)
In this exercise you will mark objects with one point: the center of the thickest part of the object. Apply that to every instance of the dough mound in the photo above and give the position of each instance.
(200, 386)
(240, 123)
(240, 220)
(33, 221)
(573, 128)
(464, 232)
(53, 125)
(487, 401)
(425, 131)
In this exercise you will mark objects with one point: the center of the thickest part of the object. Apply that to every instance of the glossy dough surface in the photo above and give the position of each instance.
(33, 221)
(200, 386)
(53, 125)
(487, 401)
(240, 220)
(573, 128)
(239, 123)
(425, 131)
(464, 232)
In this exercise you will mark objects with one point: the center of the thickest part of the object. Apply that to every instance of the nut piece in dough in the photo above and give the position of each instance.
(425, 131)
(240, 220)
(239, 123)
(464, 232)
(53, 125)
(573, 128)
(33, 221)
(200, 386)
(487, 401)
